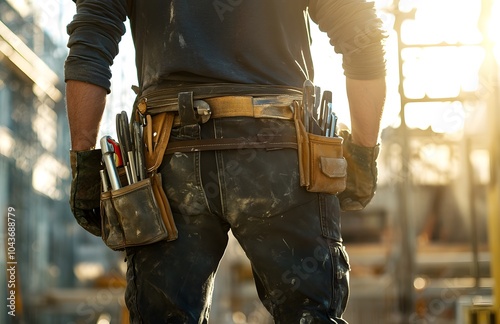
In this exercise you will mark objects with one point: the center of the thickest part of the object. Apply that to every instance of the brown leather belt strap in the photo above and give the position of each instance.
(242, 106)
(267, 142)
(163, 97)
(247, 106)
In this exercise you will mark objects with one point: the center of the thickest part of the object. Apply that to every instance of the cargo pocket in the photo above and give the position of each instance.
(131, 290)
(329, 211)
(340, 281)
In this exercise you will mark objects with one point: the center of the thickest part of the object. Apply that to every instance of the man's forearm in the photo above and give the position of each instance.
(366, 102)
(85, 104)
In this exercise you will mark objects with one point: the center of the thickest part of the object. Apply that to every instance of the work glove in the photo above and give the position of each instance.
(86, 189)
(361, 174)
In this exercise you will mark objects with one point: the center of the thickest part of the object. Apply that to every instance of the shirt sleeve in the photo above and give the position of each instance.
(356, 32)
(94, 35)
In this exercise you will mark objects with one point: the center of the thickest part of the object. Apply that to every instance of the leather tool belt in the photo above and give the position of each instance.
(244, 106)
(321, 162)
(148, 197)
(165, 98)
(238, 106)
(160, 112)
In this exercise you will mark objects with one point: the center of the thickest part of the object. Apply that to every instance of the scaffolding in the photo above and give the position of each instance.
(473, 306)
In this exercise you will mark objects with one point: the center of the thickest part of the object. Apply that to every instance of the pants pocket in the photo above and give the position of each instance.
(340, 280)
(330, 217)
(131, 290)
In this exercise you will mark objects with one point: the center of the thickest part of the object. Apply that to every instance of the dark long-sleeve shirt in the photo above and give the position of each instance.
(229, 41)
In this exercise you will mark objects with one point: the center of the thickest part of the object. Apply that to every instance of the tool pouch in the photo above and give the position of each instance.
(131, 216)
(155, 138)
(321, 163)
(139, 213)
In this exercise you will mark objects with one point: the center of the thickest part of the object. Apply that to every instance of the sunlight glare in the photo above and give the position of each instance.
(494, 28)
(441, 117)
(441, 72)
(444, 21)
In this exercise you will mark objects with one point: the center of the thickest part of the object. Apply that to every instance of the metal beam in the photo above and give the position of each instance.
(29, 64)
(407, 254)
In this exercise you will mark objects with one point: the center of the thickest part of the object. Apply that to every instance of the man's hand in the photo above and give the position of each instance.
(361, 174)
(86, 189)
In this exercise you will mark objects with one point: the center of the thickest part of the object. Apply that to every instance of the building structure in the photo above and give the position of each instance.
(50, 251)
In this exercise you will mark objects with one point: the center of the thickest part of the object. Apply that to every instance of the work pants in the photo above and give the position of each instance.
(291, 236)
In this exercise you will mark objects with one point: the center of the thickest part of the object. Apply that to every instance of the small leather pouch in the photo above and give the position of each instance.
(321, 163)
(156, 136)
(131, 216)
(328, 168)
(164, 205)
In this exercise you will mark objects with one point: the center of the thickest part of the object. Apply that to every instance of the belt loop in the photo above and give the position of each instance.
(186, 109)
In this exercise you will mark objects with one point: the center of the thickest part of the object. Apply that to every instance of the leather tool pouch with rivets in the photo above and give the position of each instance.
(139, 213)
(131, 216)
(321, 163)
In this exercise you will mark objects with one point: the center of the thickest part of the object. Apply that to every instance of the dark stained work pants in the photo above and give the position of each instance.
(291, 236)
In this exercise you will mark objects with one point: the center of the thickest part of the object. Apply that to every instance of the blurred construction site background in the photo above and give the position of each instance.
(426, 249)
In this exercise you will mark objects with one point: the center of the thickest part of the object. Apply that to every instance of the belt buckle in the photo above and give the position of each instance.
(203, 110)
(192, 111)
